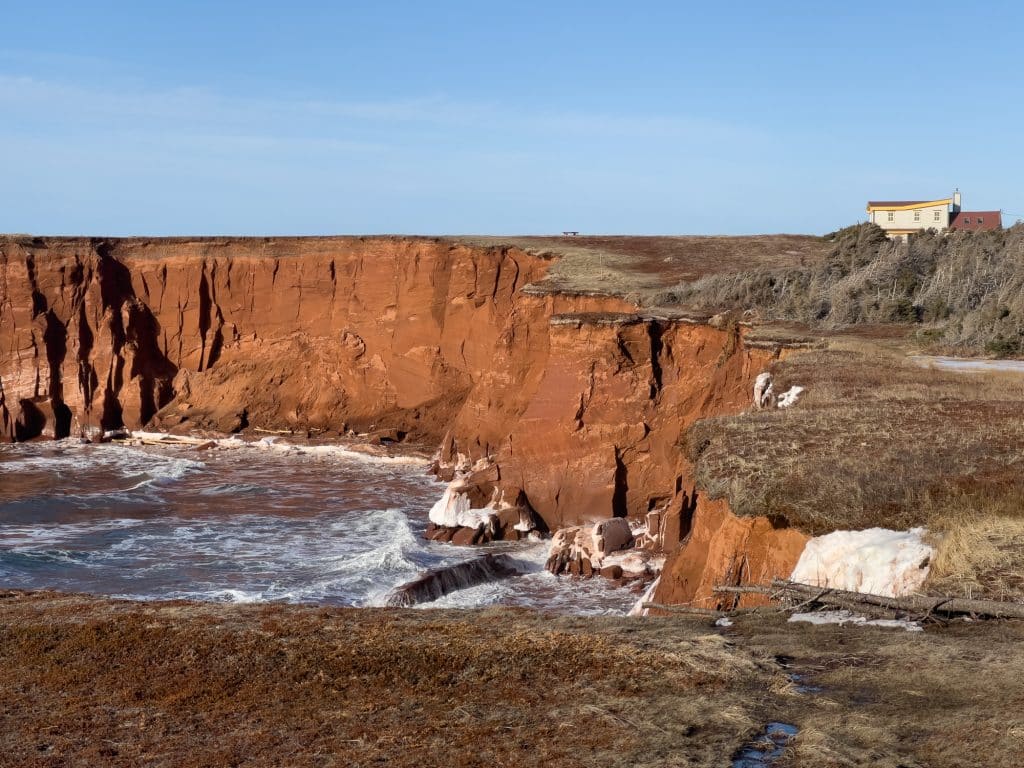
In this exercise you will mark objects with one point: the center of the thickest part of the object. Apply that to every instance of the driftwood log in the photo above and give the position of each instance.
(915, 604)
(706, 613)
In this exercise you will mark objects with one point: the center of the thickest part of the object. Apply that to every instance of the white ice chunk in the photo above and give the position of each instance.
(454, 510)
(789, 397)
(876, 560)
(638, 607)
(847, 617)
(451, 509)
(763, 390)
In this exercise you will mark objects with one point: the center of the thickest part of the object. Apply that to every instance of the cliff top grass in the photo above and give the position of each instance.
(879, 440)
(640, 268)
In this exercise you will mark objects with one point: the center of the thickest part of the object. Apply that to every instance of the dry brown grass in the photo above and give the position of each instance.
(949, 696)
(958, 290)
(876, 440)
(641, 268)
(90, 681)
(978, 552)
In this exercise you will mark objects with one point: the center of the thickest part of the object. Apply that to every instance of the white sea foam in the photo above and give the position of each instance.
(243, 527)
(72, 461)
(52, 534)
(278, 446)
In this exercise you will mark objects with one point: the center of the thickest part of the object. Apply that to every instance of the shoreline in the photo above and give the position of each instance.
(226, 507)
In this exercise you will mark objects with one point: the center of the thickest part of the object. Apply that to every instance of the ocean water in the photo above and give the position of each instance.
(245, 525)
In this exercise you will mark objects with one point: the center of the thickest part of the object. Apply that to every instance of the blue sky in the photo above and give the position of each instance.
(478, 117)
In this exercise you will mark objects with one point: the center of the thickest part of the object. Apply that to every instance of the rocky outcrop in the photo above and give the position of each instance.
(723, 549)
(582, 549)
(473, 508)
(443, 581)
(575, 404)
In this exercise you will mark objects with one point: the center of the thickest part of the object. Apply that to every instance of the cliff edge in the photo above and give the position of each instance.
(578, 397)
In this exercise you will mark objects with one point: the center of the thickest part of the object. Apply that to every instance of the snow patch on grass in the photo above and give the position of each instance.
(848, 617)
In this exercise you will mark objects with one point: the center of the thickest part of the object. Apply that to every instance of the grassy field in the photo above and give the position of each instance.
(94, 682)
(949, 696)
(878, 440)
(642, 268)
(90, 681)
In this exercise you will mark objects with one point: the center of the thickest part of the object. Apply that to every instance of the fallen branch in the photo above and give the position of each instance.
(706, 612)
(916, 604)
(685, 609)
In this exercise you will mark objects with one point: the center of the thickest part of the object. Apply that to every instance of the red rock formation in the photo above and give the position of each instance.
(722, 548)
(294, 332)
(580, 400)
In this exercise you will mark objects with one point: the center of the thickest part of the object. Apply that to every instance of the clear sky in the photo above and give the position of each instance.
(515, 117)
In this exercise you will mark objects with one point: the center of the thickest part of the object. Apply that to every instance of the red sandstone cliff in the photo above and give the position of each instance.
(581, 400)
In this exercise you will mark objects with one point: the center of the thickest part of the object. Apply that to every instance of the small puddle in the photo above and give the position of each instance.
(801, 687)
(766, 749)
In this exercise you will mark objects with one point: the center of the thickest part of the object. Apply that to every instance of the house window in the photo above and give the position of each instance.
(980, 220)
(937, 215)
(967, 220)
(917, 215)
(892, 216)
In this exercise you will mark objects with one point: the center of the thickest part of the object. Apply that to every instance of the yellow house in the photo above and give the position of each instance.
(900, 218)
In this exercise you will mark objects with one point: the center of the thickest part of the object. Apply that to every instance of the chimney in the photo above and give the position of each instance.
(956, 200)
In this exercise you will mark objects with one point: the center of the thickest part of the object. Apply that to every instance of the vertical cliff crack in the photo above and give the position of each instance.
(654, 331)
(515, 275)
(163, 287)
(55, 339)
(619, 506)
(497, 282)
(204, 315)
(87, 380)
(6, 422)
(38, 300)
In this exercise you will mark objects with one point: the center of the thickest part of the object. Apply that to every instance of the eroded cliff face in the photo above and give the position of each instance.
(722, 548)
(322, 333)
(580, 400)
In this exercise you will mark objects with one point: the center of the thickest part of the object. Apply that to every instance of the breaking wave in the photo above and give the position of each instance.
(245, 526)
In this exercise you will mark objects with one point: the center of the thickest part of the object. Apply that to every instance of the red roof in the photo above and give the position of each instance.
(895, 203)
(974, 220)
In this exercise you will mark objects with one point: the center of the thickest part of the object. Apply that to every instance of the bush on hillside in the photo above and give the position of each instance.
(967, 286)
